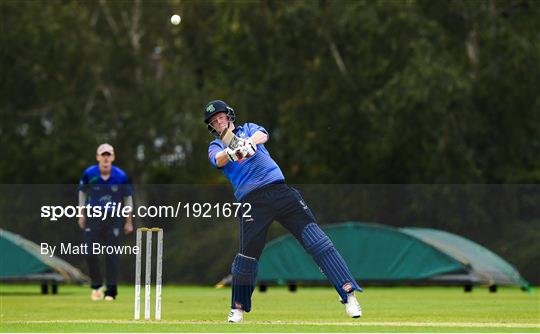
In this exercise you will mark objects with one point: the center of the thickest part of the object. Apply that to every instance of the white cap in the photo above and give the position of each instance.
(105, 148)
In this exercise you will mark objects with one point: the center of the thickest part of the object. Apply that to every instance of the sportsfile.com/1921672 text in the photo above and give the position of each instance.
(118, 210)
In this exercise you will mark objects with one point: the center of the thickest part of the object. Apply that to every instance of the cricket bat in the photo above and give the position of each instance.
(230, 139)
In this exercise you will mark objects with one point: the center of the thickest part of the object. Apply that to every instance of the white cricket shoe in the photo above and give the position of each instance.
(236, 315)
(97, 294)
(352, 307)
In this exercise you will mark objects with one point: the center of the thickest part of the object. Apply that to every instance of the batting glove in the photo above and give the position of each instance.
(249, 148)
(234, 155)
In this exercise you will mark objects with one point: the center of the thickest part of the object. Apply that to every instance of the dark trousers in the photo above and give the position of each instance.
(284, 204)
(106, 233)
(272, 202)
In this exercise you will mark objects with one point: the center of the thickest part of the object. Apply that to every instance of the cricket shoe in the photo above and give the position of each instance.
(97, 294)
(109, 298)
(352, 307)
(236, 315)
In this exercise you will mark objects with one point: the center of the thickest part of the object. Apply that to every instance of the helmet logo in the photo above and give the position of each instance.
(211, 108)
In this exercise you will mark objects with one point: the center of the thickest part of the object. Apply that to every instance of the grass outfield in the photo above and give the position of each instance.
(204, 309)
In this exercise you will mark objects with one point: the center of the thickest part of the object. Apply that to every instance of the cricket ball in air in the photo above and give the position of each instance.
(175, 19)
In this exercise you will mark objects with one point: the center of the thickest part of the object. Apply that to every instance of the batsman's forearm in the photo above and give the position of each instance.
(259, 137)
(221, 159)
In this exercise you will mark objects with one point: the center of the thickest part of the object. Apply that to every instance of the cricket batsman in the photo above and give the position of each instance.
(258, 180)
(102, 186)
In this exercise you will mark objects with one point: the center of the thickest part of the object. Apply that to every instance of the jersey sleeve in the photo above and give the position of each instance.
(252, 128)
(214, 149)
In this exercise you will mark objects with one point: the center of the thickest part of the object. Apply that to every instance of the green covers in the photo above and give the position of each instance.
(20, 259)
(482, 263)
(381, 254)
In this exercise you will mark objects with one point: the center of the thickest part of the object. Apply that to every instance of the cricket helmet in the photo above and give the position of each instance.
(215, 107)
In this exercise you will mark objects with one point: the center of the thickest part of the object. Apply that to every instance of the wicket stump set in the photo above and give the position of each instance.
(148, 273)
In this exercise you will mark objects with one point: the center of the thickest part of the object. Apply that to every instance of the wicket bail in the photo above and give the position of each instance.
(148, 273)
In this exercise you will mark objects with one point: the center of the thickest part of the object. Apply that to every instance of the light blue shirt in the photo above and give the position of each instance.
(249, 174)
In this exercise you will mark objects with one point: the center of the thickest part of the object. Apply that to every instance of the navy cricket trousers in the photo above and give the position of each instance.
(106, 233)
(272, 202)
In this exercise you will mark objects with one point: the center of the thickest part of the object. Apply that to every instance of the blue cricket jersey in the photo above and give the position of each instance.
(99, 192)
(251, 173)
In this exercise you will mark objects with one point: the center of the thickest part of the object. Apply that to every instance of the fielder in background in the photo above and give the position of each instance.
(258, 180)
(101, 184)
